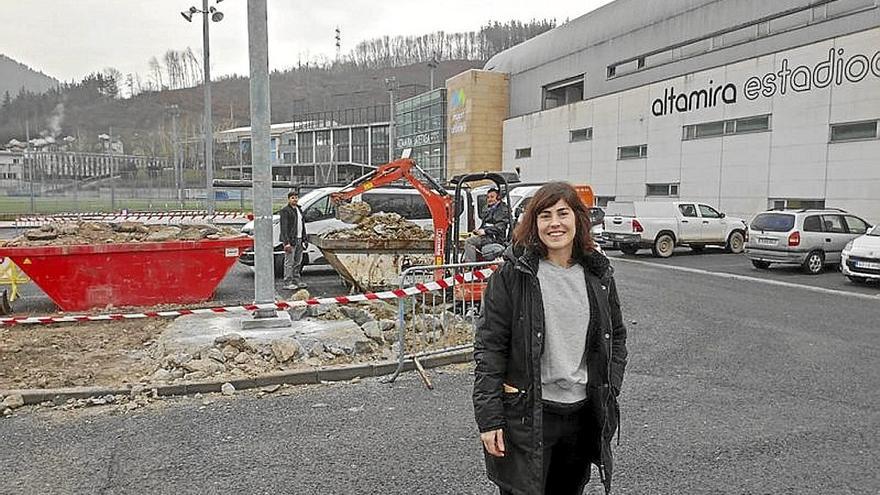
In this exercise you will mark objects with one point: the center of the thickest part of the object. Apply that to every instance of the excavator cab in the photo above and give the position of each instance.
(472, 292)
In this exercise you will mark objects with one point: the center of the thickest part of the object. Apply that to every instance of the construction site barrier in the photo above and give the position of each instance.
(437, 322)
(457, 279)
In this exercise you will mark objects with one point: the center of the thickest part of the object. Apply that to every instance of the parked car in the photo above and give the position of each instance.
(810, 238)
(860, 260)
(661, 226)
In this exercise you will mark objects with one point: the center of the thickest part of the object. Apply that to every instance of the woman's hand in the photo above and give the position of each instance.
(493, 441)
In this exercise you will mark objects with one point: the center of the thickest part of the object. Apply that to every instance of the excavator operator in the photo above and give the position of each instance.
(493, 230)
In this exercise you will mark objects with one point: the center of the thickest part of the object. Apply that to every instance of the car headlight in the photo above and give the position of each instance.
(847, 248)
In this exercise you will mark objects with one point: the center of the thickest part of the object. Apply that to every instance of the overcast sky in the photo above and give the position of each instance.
(68, 39)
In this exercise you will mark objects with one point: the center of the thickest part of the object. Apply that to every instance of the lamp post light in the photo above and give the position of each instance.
(213, 15)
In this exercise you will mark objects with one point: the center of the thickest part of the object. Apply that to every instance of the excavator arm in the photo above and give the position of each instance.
(436, 198)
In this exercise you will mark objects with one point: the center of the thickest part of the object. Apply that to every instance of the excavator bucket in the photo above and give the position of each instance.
(353, 212)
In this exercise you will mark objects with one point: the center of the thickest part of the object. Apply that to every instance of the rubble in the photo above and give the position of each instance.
(227, 389)
(382, 226)
(79, 233)
(13, 401)
(353, 212)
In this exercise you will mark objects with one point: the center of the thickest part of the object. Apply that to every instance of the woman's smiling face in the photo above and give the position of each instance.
(557, 228)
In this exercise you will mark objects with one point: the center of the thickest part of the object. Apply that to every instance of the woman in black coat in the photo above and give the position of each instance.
(550, 354)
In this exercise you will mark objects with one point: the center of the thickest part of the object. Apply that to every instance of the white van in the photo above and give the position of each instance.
(319, 213)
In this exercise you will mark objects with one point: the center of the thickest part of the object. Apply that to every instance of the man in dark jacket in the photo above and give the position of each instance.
(496, 220)
(294, 239)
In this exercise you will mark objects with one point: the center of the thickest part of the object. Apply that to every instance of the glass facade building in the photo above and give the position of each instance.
(420, 124)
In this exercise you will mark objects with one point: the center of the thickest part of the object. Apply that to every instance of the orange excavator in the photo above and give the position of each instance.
(436, 197)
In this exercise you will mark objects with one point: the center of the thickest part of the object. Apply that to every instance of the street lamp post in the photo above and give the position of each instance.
(433, 64)
(391, 85)
(215, 16)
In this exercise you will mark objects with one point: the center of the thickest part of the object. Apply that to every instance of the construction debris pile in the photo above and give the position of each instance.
(385, 226)
(78, 233)
(353, 212)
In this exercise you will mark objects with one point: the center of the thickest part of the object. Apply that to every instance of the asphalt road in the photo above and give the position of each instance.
(733, 387)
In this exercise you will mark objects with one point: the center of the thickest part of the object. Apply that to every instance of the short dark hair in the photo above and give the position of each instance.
(526, 232)
(292, 194)
(494, 190)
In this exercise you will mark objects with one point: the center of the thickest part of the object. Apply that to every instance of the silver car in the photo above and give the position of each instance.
(809, 238)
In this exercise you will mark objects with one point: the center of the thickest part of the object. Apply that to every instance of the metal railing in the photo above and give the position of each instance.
(437, 322)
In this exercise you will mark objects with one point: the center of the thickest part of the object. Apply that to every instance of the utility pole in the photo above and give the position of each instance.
(209, 124)
(391, 85)
(432, 64)
(112, 169)
(264, 277)
(208, 15)
(174, 110)
(29, 161)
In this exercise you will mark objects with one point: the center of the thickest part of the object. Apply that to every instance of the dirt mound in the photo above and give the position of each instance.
(78, 233)
(381, 226)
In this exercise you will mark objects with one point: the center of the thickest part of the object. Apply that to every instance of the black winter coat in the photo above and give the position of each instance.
(508, 348)
(289, 218)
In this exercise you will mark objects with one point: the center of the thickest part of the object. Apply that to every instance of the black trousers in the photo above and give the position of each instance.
(567, 448)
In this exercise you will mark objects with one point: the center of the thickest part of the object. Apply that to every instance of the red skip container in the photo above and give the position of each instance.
(83, 277)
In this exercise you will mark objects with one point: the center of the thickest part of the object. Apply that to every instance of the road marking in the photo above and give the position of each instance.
(821, 290)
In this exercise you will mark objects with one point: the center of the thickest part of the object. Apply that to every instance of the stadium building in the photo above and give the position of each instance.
(746, 104)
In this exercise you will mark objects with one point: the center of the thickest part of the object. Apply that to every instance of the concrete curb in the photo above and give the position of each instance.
(297, 377)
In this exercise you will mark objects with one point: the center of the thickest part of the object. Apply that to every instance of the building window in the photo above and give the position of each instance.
(796, 203)
(632, 152)
(359, 145)
(576, 135)
(853, 131)
(604, 200)
(743, 125)
(379, 145)
(306, 147)
(322, 146)
(662, 190)
(612, 71)
(563, 92)
(523, 153)
(340, 145)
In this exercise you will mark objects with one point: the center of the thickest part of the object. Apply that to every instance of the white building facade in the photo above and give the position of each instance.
(743, 104)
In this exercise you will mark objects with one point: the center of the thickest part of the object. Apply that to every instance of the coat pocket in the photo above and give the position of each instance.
(518, 416)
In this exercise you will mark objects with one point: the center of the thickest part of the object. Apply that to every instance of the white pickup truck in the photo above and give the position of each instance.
(663, 225)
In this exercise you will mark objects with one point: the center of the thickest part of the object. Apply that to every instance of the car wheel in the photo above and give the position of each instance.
(697, 248)
(814, 263)
(629, 249)
(735, 242)
(761, 265)
(663, 246)
(857, 280)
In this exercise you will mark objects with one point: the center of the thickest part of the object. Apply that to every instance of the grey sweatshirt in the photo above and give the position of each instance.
(566, 318)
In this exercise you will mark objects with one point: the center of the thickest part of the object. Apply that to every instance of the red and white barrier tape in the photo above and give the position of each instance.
(431, 286)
